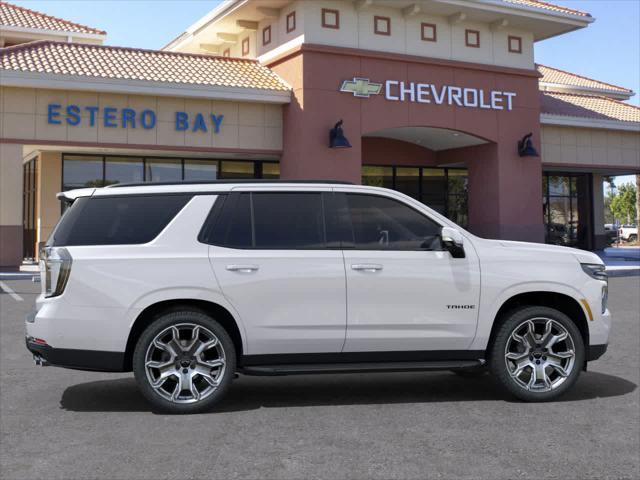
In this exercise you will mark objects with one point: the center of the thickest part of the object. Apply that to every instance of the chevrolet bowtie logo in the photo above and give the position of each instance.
(361, 87)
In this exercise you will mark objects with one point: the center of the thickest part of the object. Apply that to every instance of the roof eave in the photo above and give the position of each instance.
(584, 122)
(12, 78)
(577, 89)
(56, 33)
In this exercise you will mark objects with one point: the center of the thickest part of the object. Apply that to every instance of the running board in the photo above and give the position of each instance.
(303, 369)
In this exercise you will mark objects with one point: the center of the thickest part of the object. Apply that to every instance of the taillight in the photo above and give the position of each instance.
(55, 267)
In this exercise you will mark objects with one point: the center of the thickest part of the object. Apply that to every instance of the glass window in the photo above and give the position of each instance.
(559, 185)
(80, 171)
(457, 181)
(239, 232)
(288, 221)
(434, 189)
(377, 176)
(408, 181)
(270, 170)
(237, 170)
(163, 170)
(123, 170)
(381, 223)
(118, 220)
(200, 170)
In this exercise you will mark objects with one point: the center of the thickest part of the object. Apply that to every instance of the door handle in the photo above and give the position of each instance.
(242, 268)
(366, 267)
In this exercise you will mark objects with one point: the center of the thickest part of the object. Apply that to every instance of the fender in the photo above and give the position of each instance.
(184, 293)
(490, 307)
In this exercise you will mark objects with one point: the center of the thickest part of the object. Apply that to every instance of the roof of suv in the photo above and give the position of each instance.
(189, 187)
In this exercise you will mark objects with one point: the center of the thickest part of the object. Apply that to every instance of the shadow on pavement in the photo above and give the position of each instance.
(250, 393)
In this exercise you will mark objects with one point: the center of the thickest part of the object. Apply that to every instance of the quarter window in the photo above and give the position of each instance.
(381, 223)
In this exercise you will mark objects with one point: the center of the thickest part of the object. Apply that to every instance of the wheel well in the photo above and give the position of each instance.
(152, 312)
(563, 303)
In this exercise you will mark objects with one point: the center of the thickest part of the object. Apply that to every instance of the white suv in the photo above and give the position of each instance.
(187, 284)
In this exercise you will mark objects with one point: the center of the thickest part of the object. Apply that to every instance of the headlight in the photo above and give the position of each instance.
(605, 297)
(55, 267)
(595, 270)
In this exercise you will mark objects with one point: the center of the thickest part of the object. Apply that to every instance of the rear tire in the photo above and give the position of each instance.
(537, 354)
(184, 362)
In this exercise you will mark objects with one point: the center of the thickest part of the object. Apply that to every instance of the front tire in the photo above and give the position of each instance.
(537, 354)
(184, 362)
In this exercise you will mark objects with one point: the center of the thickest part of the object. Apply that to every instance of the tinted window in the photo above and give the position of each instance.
(380, 223)
(271, 221)
(288, 220)
(116, 220)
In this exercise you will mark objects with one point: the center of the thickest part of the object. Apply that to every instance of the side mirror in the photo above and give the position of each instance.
(453, 242)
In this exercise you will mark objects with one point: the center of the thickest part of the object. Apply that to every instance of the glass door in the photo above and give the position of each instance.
(29, 209)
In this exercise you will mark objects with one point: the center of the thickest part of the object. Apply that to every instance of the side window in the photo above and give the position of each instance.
(381, 223)
(288, 221)
(285, 221)
(117, 220)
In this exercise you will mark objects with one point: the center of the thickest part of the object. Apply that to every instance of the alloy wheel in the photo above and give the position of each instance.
(540, 355)
(185, 363)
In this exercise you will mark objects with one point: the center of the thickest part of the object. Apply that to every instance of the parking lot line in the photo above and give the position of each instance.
(7, 289)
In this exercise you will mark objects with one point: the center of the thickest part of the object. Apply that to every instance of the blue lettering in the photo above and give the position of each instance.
(109, 116)
(217, 121)
(148, 119)
(182, 121)
(198, 123)
(73, 114)
(92, 115)
(53, 113)
(128, 117)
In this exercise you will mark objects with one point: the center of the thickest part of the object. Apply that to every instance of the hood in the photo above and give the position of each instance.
(582, 256)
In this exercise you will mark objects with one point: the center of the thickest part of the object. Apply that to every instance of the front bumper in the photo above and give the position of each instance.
(93, 360)
(594, 352)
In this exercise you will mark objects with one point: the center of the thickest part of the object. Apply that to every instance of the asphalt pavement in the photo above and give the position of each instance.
(64, 424)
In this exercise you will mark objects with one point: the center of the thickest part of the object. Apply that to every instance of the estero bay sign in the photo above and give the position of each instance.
(399, 91)
(112, 117)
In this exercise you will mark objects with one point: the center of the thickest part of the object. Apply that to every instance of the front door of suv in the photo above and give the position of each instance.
(272, 261)
(404, 292)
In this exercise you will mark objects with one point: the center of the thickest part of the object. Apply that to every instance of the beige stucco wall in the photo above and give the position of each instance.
(356, 31)
(590, 147)
(49, 184)
(255, 126)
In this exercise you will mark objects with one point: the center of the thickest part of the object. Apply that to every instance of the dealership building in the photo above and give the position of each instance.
(441, 100)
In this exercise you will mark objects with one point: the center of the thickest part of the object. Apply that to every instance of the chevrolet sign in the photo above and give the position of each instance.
(361, 87)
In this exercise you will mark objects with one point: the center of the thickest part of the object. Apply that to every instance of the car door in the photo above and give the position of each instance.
(404, 292)
(274, 266)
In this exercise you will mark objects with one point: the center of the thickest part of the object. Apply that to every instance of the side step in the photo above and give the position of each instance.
(303, 369)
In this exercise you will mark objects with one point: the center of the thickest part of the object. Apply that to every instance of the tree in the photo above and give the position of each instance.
(623, 204)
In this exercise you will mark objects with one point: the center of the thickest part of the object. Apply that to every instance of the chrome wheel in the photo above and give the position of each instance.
(540, 354)
(185, 363)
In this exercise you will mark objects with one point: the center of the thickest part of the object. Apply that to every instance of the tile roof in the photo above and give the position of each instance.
(588, 106)
(15, 16)
(554, 75)
(136, 64)
(548, 6)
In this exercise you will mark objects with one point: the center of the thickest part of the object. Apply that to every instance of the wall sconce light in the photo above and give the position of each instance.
(337, 138)
(525, 147)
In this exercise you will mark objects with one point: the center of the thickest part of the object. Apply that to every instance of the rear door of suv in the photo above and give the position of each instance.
(274, 262)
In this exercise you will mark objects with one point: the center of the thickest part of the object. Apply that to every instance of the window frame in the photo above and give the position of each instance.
(467, 41)
(517, 39)
(433, 26)
(266, 35)
(290, 26)
(386, 20)
(246, 46)
(326, 24)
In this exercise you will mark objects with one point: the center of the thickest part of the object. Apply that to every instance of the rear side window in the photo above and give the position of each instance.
(118, 220)
(282, 221)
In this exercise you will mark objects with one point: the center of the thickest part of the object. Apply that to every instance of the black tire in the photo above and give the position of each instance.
(513, 322)
(182, 317)
(632, 238)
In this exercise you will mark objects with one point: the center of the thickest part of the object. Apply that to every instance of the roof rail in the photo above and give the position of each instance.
(223, 182)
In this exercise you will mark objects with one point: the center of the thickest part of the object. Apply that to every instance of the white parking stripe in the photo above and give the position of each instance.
(12, 294)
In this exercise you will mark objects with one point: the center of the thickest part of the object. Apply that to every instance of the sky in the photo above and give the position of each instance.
(607, 50)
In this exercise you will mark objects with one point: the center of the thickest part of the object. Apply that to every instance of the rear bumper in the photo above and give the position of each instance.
(92, 360)
(594, 352)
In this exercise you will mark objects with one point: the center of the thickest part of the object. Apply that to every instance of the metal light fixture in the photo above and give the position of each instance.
(337, 138)
(525, 147)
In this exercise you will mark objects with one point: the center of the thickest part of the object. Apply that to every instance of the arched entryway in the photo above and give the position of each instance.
(429, 164)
